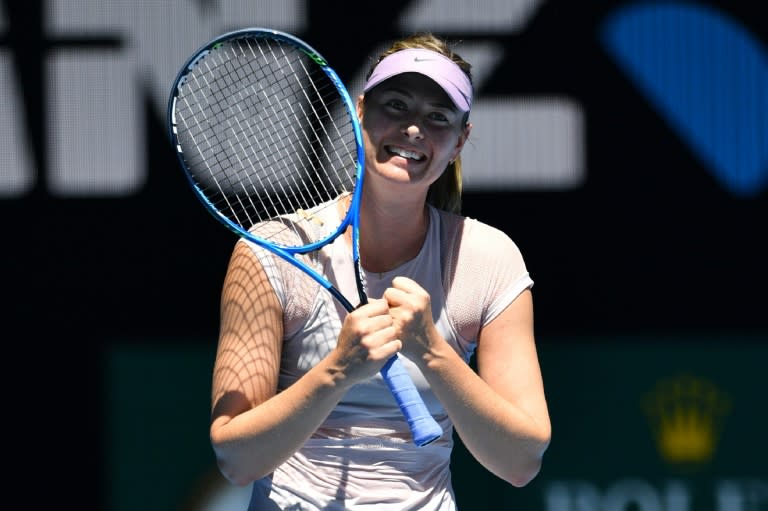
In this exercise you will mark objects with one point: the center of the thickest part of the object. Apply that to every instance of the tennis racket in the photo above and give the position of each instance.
(270, 142)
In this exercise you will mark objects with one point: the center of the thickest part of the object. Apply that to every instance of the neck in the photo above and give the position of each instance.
(391, 234)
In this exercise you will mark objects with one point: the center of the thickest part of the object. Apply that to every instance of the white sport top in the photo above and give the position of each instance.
(362, 457)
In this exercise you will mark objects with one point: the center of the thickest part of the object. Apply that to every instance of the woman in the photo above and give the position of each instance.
(299, 409)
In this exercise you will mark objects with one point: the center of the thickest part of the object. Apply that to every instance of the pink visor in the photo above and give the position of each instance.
(442, 70)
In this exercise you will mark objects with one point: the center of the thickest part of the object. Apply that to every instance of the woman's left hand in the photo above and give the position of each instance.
(410, 307)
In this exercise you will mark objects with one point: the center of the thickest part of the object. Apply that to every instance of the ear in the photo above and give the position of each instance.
(359, 107)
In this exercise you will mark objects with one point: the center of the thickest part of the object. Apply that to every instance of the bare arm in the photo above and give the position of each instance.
(253, 428)
(500, 413)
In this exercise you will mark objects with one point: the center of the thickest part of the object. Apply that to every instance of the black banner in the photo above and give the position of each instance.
(622, 145)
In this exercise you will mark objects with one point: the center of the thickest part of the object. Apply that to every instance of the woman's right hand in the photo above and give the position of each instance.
(366, 341)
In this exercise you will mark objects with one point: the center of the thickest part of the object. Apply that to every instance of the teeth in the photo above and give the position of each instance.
(405, 154)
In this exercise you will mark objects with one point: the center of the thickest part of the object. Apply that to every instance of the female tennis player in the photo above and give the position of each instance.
(300, 411)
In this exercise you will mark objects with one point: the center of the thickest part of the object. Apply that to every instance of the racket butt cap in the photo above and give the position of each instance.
(426, 431)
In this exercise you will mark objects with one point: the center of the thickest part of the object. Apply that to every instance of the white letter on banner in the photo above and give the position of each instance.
(96, 135)
(17, 175)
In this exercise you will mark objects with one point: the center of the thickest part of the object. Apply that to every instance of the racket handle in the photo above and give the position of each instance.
(424, 427)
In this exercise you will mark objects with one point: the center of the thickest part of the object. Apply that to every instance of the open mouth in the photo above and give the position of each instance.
(405, 153)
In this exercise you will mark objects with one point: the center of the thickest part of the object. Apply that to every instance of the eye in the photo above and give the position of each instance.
(439, 117)
(396, 104)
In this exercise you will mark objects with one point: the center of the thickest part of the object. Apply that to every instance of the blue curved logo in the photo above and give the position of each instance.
(707, 75)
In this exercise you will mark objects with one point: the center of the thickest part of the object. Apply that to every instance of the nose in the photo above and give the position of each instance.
(413, 131)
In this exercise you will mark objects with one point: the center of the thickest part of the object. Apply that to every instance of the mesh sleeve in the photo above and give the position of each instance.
(484, 271)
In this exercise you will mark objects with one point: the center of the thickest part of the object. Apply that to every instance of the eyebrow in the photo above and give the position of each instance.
(440, 104)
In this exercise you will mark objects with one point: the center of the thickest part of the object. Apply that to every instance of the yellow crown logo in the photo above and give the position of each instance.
(686, 416)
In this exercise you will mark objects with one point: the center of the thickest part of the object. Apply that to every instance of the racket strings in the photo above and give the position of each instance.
(265, 132)
(299, 112)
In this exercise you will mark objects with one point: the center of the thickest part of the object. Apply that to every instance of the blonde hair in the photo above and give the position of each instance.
(445, 193)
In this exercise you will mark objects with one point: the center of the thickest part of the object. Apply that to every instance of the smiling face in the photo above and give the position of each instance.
(411, 130)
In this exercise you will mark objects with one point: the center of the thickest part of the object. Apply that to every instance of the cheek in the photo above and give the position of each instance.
(447, 145)
(373, 134)
(373, 125)
(369, 143)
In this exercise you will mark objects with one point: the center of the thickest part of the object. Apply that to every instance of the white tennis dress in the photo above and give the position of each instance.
(362, 457)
